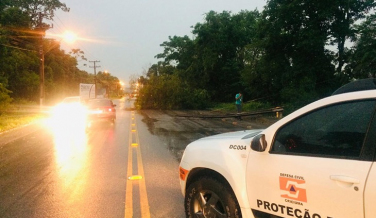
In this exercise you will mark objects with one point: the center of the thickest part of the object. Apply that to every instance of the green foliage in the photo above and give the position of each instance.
(5, 99)
(295, 66)
(37, 9)
(170, 92)
(344, 14)
(246, 107)
(12, 120)
(21, 68)
(219, 49)
(363, 54)
(280, 56)
(108, 82)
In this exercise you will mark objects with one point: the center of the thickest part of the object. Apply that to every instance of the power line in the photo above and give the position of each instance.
(17, 48)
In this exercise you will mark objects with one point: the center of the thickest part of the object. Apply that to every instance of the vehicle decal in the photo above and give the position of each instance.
(238, 147)
(293, 188)
(183, 173)
(287, 211)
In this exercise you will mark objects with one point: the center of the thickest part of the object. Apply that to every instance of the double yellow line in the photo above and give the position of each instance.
(138, 178)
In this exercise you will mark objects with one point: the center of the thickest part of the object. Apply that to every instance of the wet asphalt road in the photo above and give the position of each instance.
(74, 173)
(65, 174)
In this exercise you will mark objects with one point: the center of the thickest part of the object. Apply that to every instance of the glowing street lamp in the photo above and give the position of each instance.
(69, 37)
(121, 86)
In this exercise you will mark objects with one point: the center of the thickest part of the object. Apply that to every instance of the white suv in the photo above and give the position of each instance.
(316, 162)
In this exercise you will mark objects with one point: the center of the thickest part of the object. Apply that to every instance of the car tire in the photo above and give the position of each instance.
(207, 197)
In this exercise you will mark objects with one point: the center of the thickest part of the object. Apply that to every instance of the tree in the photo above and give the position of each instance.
(220, 50)
(296, 65)
(18, 57)
(108, 82)
(178, 51)
(180, 56)
(5, 100)
(39, 9)
(363, 54)
(170, 92)
(345, 13)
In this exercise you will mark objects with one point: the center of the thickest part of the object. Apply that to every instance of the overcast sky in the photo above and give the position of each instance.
(125, 35)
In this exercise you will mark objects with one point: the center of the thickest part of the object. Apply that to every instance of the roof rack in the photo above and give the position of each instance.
(357, 85)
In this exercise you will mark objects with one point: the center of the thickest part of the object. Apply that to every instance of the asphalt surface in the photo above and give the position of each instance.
(178, 128)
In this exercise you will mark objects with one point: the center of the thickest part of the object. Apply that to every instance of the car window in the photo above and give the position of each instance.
(337, 130)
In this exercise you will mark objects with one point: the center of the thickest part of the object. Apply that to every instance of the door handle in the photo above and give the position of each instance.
(345, 181)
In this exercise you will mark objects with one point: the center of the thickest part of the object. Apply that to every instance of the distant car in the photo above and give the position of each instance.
(316, 162)
(101, 109)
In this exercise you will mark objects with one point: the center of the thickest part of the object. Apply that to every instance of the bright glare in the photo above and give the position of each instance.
(69, 37)
(68, 124)
(71, 117)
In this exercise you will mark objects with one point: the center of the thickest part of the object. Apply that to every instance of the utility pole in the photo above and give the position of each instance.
(41, 27)
(95, 76)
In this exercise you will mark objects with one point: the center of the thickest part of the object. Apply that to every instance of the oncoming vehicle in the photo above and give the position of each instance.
(70, 114)
(316, 162)
(101, 109)
(70, 108)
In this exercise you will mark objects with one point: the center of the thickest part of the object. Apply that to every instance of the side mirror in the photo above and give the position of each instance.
(258, 143)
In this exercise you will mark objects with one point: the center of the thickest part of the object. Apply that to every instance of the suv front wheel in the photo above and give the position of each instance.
(209, 198)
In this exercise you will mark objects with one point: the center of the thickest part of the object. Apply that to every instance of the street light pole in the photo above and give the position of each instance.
(41, 73)
(95, 77)
(42, 32)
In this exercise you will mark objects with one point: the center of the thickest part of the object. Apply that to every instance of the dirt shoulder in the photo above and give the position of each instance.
(178, 128)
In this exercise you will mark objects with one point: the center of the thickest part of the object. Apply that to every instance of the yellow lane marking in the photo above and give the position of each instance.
(135, 177)
(145, 209)
(139, 178)
(128, 195)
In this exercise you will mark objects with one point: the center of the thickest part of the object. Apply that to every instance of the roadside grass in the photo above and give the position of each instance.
(11, 120)
(17, 115)
(246, 107)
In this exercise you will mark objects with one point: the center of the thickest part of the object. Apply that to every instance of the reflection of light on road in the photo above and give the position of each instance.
(71, 153)
(69, 147)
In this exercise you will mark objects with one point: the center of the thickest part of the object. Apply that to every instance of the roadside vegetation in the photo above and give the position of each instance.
(18, 114)
(289, 54)
(247, 106)
(12, 120)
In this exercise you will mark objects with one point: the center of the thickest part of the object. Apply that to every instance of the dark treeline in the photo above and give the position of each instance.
(20, 39)
(290, 54)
